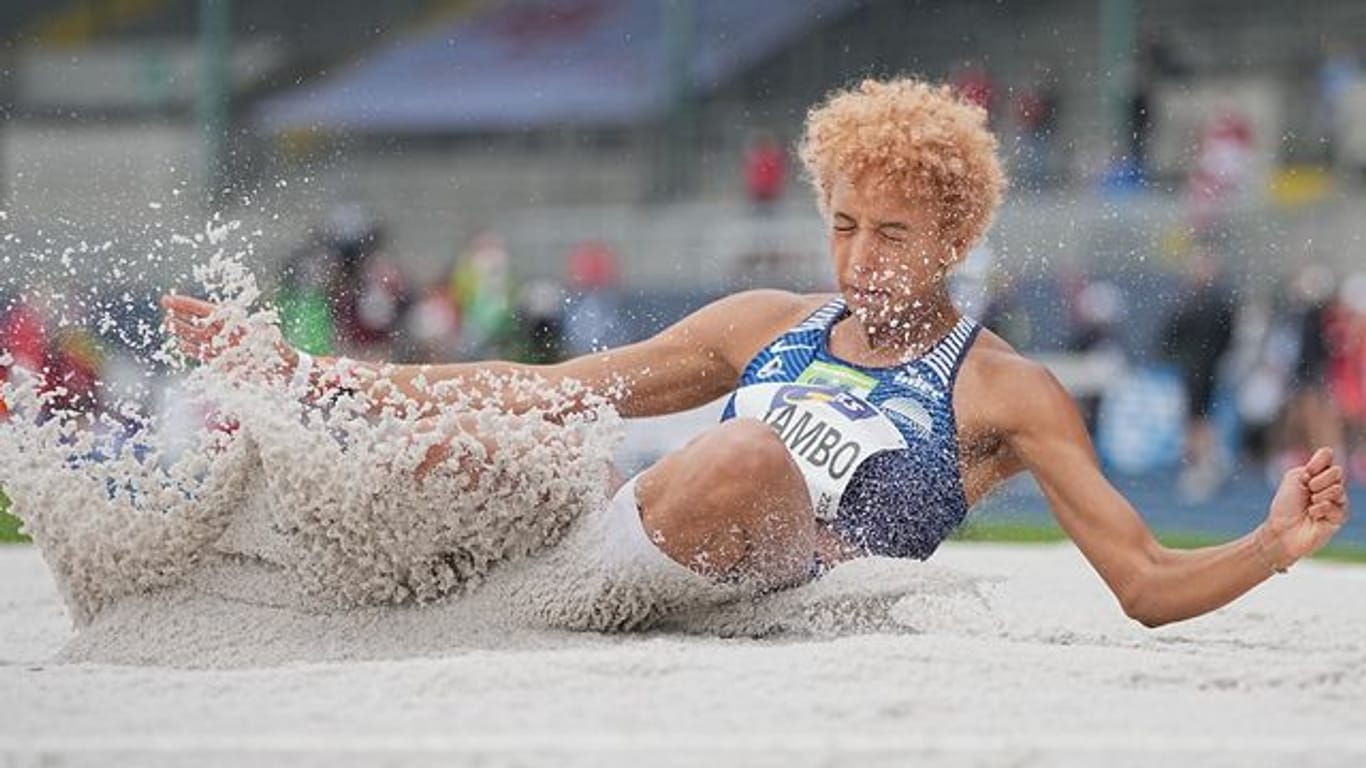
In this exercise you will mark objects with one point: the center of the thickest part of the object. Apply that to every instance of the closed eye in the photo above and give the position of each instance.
(894, 233)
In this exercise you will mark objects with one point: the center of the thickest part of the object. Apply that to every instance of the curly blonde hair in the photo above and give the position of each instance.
(917, 139)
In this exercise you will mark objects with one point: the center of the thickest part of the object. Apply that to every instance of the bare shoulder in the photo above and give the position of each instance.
(1010, 392)
(766, 305)
(745, 321)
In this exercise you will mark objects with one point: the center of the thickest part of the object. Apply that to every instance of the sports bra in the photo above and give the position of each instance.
(878, 447)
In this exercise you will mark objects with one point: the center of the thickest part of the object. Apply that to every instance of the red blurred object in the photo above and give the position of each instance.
(592, 265)
(973, 84)
(1347, 361)
(23, 338)
(1222, 166)
(765, 170)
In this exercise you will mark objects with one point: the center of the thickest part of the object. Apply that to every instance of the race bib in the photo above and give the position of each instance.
(828, 431)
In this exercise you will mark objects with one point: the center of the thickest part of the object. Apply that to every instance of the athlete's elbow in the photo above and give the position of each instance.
(1142, 602)
(1149, 619)
(1139, 607)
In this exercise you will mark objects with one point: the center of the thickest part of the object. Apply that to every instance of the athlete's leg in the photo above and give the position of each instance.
(731, 503)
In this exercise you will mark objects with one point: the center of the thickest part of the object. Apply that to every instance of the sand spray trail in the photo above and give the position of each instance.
(278, 530)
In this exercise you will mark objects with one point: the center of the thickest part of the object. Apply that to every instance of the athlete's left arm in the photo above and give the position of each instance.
(1154, 584)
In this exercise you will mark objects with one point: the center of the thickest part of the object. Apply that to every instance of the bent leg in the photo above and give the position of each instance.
(732, 504)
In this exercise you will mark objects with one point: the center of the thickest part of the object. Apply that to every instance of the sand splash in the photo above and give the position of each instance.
(283, 531)
(119, 506)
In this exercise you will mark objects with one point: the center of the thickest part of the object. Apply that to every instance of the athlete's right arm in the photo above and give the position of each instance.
(686, 365)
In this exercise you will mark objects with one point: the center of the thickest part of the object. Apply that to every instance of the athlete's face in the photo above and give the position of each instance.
(888, 252)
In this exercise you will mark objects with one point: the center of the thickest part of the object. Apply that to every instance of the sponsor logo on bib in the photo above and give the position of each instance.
(822, 374)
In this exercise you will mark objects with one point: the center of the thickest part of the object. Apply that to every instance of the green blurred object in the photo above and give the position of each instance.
(306, 321)
(9, 525)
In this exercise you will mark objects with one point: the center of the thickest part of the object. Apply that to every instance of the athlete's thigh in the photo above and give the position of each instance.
(734, 498)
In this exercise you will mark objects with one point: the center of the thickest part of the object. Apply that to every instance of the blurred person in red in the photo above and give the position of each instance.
(973, 83)
(591, 319)
(765, 171)
(1347, 368)
(23, 341)
(1222, 171)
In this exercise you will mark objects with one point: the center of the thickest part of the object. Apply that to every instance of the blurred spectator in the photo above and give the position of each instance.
(1347, 368)
(1162, 57)
(1140, 125)
(72, 374)
(970, 282)
(1258, 367)
(371, 293)
(1222, 172)
(1310, 419)
(1337, 72)
(1158, 62)
(1096, 313)
(765, 171)
(540, 315)
(1035, 111)
(306, 317)
(433, 326)
(1195, 338)
(1005, 312)
(592, 321)
(23, 341)
(482, 288)
(972, 81)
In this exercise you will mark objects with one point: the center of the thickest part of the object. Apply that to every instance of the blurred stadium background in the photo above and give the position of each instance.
(443, 179)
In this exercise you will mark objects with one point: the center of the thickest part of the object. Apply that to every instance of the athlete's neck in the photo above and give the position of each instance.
(903, 332)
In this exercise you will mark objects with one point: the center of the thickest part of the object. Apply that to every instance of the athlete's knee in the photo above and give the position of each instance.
(747, 451)
(705, 503)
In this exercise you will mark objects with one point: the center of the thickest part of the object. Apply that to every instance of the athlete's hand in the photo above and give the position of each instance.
(1309, 508)
(192, 322)
(201, 332)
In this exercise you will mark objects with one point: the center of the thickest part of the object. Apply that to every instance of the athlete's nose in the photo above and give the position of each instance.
(861, 262)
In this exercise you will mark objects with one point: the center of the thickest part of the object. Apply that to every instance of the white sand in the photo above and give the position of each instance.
(990, 656)
(288, 595)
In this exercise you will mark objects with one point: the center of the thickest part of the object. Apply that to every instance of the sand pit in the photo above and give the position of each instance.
(282, 591)
(990, 655)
